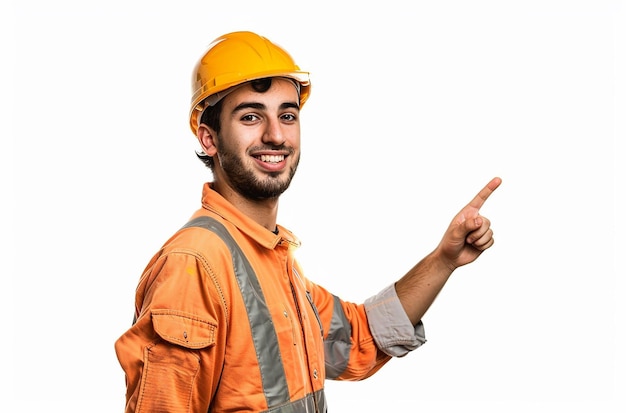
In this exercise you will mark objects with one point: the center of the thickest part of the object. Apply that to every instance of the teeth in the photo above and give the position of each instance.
(272, 158)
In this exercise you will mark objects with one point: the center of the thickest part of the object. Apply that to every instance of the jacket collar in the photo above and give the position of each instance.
(215, 203)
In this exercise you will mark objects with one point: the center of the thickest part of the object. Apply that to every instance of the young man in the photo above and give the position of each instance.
(225, 318)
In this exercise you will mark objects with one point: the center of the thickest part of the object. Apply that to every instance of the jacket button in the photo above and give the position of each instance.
(315, 374)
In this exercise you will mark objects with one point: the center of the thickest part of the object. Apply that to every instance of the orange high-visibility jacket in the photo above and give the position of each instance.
(225, 321)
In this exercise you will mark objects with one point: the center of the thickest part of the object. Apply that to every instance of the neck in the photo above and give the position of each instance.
(263, 211)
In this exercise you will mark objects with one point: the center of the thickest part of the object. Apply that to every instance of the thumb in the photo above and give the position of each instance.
(474, 223)
(467, 225)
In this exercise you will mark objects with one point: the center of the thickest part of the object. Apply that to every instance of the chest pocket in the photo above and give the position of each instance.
(183, 329)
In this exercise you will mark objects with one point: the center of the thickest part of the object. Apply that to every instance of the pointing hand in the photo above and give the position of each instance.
(469, 233)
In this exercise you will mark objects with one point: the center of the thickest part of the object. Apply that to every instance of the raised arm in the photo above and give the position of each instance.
(467, 236)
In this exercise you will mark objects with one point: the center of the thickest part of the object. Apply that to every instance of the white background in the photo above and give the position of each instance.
(413, 110)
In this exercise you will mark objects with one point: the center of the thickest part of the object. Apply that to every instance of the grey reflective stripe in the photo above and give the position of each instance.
(338, 343)
(311, 403)
(263, 333)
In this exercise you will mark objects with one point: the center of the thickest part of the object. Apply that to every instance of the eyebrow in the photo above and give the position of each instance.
(261, 106)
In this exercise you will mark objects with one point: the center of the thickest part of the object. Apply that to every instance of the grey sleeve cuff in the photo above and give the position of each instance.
(392, 330)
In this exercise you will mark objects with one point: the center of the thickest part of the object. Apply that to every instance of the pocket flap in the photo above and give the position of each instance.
(184, 329)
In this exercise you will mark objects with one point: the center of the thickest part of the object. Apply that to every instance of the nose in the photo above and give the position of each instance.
(274, 133)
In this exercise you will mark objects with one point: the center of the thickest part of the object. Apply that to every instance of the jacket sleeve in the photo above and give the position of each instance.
(391, 328)
(361, 338)
(350, 351)
(173, 353)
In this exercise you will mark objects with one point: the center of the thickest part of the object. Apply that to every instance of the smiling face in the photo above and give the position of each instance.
(258, 147)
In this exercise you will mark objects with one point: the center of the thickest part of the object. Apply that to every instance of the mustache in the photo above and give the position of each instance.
(281, 148)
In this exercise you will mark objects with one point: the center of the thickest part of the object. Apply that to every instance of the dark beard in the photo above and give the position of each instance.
(246, 184)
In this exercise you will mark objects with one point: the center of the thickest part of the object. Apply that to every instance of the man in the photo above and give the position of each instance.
(225, 318)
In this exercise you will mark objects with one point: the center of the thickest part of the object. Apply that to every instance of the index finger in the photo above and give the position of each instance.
(484, 193)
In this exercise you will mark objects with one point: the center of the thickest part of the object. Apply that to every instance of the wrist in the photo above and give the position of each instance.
(441, 263)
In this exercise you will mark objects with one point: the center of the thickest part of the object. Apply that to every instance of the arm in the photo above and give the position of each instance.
(467, 236)
(172, 355)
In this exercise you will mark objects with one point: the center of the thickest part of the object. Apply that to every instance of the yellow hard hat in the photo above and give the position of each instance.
(238, 57)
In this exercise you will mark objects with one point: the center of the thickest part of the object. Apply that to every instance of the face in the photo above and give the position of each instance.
(258, 148)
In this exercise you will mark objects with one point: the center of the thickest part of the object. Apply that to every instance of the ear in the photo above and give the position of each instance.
(206, 137)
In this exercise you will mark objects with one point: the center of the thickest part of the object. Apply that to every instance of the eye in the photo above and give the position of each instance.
(250, 117)
(289, 117)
